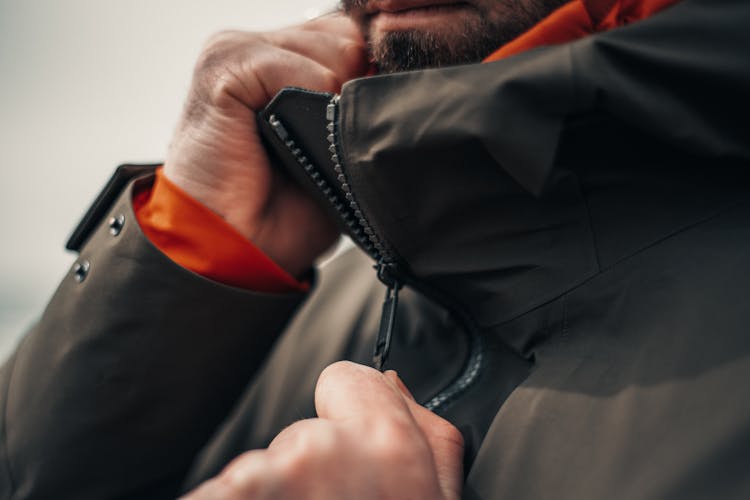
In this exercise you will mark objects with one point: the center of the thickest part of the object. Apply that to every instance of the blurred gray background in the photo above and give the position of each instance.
(86, 85)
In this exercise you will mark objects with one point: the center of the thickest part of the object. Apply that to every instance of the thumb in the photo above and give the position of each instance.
(348, 390)
(444, 439)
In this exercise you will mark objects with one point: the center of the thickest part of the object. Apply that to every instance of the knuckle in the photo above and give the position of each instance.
(400, 450)
(216, 77)
(223, 51)
(445, 431)
(227, 483)
(295, 463)
(395, 441)
(241, 476)
(220, 41)
(331, 80)
(215, 49)
(311, 448)
(213, 61)
(354, 54)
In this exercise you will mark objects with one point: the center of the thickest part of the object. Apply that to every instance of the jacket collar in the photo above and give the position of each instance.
(500, 187)
(467, 176)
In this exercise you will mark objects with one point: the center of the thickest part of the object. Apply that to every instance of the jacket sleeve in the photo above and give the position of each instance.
(132, 366)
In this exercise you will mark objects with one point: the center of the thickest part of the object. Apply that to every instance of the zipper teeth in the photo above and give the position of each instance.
(361, 231)
(473, 367)
(342, 206)
(366, 235)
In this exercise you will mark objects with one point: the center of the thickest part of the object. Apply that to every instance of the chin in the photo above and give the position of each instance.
(433, 47)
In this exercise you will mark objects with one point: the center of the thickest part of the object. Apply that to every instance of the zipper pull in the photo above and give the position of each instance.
(388, 315)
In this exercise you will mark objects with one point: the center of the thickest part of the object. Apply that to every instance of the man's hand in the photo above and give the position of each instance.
(371, 441)
(216, 154)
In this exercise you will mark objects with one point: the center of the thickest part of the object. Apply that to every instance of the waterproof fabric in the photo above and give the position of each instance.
(582, 209)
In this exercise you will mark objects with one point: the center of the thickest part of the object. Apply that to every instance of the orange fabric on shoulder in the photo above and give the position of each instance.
(579, 18)
(198, 239)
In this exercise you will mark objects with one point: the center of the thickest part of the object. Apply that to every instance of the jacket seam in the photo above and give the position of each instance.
(601, 271)
(674, 233)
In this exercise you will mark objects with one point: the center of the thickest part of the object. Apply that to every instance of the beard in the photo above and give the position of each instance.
(417, 49)
(468, 41)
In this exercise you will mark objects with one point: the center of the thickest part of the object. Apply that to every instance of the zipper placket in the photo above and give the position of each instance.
(388, 271)
(385, 263)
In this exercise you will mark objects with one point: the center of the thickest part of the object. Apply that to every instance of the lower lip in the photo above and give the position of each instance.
(416, 18)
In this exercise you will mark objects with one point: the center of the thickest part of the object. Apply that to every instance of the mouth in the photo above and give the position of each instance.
(396, 6)
(396, 15)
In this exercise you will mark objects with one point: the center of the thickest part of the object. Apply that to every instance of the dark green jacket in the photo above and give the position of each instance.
(572, 228)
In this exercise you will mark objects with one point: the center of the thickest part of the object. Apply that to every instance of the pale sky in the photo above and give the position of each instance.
(86, 85)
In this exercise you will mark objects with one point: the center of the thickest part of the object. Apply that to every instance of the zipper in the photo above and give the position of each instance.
(362, 229)
(387, 318)
(385, 263)
(388, 270)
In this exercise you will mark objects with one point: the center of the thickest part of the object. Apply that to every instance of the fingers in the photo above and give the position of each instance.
(344, 56)
(372, 408)
(251, 68)
(297, 464)
(290, 69)
(350, 391)
(372, 440)
(297, 436)
(335, 22)
(332, 41)
(216, 154)
(445, 441)
(247, 476)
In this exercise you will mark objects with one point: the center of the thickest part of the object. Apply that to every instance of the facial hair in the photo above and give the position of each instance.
(477, 38)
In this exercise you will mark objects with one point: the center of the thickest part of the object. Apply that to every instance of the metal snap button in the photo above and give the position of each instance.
(81, 270)
(116, 224)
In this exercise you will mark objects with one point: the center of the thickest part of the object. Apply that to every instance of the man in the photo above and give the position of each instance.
(564, 229)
